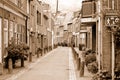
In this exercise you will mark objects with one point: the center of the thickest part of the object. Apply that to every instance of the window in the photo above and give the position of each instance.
(15, 32)
(5, 35)
(111, 4)
(45, 20)
(107, 4)
(5, 32)
(116, 3)
(19, 33)
(11, 30)
(23, 32)
(38, 18)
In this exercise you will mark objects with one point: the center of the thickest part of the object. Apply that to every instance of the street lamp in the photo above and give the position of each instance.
(38, 34)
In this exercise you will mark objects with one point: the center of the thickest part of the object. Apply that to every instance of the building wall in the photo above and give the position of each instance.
(107, 49)
(19, 19)
(103, 38)
(33, 12)
(38, 24)
(112, 9)
(13, 26)
(65, 36)
(59, 34)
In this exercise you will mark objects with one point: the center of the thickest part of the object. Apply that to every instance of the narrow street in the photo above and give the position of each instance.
(59, 39)
(54, 66)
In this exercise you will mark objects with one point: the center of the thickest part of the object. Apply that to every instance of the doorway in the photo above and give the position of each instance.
(94, 37)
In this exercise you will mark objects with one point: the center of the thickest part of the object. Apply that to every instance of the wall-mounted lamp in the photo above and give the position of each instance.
(38, 34)
(32, 33)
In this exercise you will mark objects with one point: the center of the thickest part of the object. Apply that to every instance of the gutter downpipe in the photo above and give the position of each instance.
(99, 36)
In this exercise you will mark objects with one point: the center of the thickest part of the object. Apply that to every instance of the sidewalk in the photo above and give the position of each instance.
(18, 68)
(87, 75)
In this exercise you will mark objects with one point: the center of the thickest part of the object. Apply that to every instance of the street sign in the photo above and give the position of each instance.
(112, 20)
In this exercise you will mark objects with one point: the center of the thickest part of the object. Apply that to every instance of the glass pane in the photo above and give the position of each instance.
(11, 30)
(5, 24)
(5, 32)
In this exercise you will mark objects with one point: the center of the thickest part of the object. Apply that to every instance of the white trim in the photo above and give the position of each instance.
(11, 10)
(113, 57)
(113, 4)
(84, 20)
(0, 40)
(83, 31)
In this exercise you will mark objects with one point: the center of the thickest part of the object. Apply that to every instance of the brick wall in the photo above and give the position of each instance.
(106, 50)
(108, 4)
(88, 8)
(107, 39)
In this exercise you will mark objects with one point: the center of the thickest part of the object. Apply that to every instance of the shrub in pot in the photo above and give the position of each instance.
(93, 67)
(90, 58)
(39, 51)
(15, 52)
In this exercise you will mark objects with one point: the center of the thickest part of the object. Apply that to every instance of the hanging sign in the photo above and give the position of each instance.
(112, 20)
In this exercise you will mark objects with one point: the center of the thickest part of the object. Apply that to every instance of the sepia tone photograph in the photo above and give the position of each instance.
(59, 39)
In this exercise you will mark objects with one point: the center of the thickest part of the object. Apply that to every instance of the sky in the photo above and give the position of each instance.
(65, 5)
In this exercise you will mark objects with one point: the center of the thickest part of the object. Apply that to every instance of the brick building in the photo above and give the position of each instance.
(70, 34)
(35, 26)
(25, 21)
(98, 16)
(76, 27)
(41, 23)
(110, 10)
(13, 23)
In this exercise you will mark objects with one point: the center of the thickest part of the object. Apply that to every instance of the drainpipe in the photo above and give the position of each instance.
(99, 36)
(113, 48)
(113, 57)
(26, 29)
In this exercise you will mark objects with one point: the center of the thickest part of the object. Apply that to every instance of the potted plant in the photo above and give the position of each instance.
(39, 51)
(15, 52)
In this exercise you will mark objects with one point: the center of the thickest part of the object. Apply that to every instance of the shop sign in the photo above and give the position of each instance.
(112, 20)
